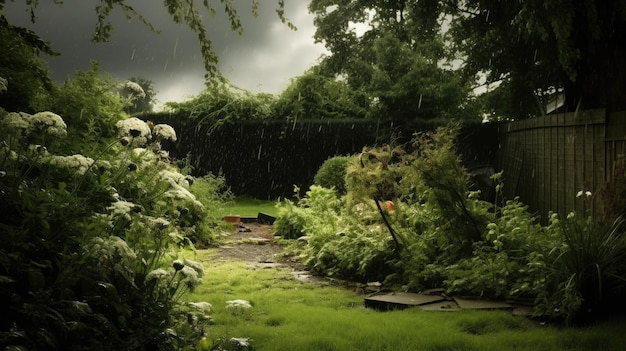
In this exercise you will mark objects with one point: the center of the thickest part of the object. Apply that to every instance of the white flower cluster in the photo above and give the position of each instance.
(197, 266)
(121, 208)
(79, 163)
(158, 274)
(134, 131)
(201, 306)
(15, 121)
(164, 132)
(43, 122)
(190, 277)
(586, 193)
(158, 222)
(178, 187)
(240, 342)
(135, 89)
(112, 248)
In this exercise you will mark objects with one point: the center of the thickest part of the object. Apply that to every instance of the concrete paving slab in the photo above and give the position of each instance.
(400, 300)
(479, 304)
(442, 306)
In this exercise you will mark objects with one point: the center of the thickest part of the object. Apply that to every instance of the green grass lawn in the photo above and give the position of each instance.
(290, 315)
(248, 207)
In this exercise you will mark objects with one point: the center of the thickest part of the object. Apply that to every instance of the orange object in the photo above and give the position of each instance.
(390, 205)
(232, 218)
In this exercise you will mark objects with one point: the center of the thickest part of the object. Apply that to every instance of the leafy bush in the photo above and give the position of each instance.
(440, 234)
(587, 270)
(221, 103)
(332, 173)
(87, 257)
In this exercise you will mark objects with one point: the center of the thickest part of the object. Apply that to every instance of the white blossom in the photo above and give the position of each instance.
(197, 266)
(157, 274)
(136, 129)
(135, 89)
(201, 306)
(158, 222)
(174, 178)
(111, 248)
(164, 132)
(240, 342)
(190, 277)
(49, 123)
(79, 163)
(121, 208)
(15, 121)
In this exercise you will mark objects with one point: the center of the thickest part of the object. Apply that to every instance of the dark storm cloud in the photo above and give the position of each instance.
(262, 59)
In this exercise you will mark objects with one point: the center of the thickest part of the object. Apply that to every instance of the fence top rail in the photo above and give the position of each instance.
(570, 119)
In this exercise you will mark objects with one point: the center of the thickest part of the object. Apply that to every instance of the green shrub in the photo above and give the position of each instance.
(587, 271)
(87, 254)
(290, 220)
(332, 173)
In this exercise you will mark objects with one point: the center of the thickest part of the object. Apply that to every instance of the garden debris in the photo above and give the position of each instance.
(264, 218)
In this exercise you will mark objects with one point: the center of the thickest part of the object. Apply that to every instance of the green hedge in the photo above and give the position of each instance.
(265, 159)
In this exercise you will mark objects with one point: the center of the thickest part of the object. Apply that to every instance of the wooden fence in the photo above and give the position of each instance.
(547, 161)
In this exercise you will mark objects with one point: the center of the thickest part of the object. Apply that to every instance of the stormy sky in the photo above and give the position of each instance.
(263, 59)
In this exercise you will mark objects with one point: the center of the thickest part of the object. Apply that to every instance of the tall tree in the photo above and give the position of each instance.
(540, 46)
(393, 50)
(532, 49)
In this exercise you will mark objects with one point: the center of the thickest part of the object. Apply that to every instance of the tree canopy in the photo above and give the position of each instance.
(394, 51)
(531, 50)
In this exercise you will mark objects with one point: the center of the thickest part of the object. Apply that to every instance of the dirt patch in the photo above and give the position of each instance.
(250, 242)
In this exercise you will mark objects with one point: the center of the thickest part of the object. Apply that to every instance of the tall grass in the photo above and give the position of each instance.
(290, 315)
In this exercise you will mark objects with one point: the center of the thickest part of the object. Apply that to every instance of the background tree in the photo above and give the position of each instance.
(314, 95)
(145, 103)
(538, 47)
(25, 73)
(394, 51)
(529, 51)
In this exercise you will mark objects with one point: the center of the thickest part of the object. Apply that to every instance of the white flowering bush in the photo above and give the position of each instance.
(89, 239)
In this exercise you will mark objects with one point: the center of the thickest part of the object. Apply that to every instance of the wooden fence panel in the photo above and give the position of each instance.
(548, 160)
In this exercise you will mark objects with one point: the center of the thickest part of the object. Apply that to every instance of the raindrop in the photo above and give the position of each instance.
(175, 47)
(165, 66)
(487, 18)
(419, 103)
(258, 157)
(132, 56)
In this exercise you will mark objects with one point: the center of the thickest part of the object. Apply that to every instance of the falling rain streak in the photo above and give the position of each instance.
(258, 157)
(175, 47)
(419, 103)
(132, 56)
